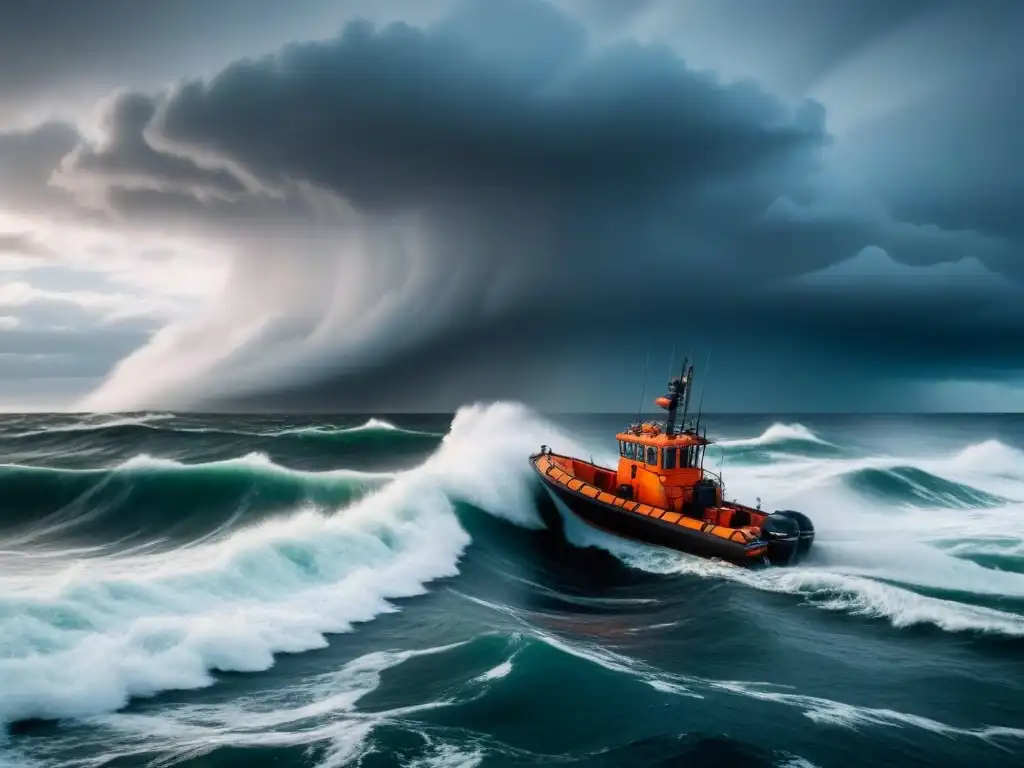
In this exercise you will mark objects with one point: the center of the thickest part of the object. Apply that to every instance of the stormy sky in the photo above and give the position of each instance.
(355, 205)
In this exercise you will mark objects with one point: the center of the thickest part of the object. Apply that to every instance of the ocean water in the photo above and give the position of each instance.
(328, 591)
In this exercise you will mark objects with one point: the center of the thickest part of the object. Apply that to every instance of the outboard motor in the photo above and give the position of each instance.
(782, 533)
(806, 528)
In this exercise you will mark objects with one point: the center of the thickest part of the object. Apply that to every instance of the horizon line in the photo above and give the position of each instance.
(628, 414)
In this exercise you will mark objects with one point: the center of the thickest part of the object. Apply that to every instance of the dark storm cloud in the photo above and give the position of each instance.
(943, 145)
(507, 100)
(963, 171)
(390, 118)
(842, 225)
(787, 45)
(940, 148)
(789, 347)
(128, 160)
(564, 178)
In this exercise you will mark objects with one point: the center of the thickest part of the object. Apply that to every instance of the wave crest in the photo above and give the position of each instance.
(778, 433)
(912, 485)
(137, 625)
(993, 457)
(157, 423)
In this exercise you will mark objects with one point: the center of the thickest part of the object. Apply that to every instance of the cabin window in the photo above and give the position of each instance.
(669, 456)
(652, 455)
(622, 447)
(630, 450)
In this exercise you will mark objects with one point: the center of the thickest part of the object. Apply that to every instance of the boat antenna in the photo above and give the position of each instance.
(688, 376)
(703, 389)
(643, 391)
(689, 383)
(721, 472)
(700, 408)
(703, 449)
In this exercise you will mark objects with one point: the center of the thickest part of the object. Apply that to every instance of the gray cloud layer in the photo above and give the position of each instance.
(60, 53)
(21, 243)
(443, 201)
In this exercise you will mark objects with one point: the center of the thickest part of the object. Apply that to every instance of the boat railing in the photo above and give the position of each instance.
(713, 475)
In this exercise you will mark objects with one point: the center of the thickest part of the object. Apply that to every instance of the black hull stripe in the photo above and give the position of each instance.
(651, 530)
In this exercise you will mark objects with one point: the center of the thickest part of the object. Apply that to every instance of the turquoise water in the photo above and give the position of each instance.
(248, 591)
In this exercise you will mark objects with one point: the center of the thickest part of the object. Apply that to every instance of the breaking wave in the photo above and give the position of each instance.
(777, 440)
(139, 624)
(780, 434)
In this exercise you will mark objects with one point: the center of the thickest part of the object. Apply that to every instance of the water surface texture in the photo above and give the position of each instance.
(329, 591)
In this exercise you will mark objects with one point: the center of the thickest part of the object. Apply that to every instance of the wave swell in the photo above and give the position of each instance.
(147, 497)
(338, 548)
(137, 625)
(169, 424)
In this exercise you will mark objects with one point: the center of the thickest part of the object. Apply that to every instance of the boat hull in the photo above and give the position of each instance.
(622, 522)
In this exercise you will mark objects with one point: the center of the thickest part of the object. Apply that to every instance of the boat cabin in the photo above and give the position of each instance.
(664, 469)
(649, 446)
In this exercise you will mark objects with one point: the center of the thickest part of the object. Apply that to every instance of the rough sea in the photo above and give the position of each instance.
(330, 591)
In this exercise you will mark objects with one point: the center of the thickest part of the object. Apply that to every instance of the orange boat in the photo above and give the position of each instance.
(661, 494)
